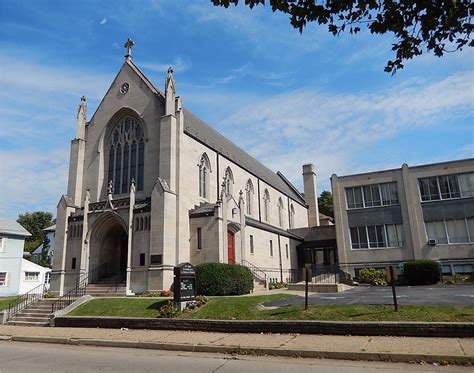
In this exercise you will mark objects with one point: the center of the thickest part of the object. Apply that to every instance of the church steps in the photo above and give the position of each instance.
(37, 314)
(28, 323)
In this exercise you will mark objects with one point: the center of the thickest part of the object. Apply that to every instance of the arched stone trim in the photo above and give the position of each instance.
(266, 205)
(204, 176)
(229, 181)
(281, 207)
(249, 191)
(233, 227)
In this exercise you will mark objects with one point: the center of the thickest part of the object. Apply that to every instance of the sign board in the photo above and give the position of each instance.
(184, 282)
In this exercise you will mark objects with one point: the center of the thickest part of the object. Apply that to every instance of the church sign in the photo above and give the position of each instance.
(184, 282)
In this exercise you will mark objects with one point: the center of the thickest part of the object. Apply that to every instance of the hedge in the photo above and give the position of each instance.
(421, 272)
(223, 279)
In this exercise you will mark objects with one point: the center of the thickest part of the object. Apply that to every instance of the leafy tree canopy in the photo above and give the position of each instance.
(437, 26)
(325, 204)
(35, 222)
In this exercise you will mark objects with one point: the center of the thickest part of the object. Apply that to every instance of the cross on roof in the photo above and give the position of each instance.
(129, 44)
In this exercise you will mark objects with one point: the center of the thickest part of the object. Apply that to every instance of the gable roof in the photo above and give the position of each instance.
(207, 135)
(8, 226)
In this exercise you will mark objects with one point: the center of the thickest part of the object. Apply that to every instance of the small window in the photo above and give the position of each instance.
(31, 276)
(3, 278)
(199, 238)
(3, 244)
(287, 253)
(271, 248)
(73, 265)
(142, 259)
(47, 278)
(251, 244)
(156, 259)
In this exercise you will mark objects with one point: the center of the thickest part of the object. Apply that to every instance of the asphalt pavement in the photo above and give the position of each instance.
(442, 295)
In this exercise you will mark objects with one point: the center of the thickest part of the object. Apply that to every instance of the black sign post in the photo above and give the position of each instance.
(392, 283)
(184, 289)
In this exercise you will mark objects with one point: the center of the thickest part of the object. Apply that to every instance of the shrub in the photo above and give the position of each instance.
(168, 311)
(166, 293)
(223, 279)
(372, 276)
(421, 272)
(277, 285)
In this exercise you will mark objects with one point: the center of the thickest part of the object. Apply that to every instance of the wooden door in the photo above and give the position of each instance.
(230, 247)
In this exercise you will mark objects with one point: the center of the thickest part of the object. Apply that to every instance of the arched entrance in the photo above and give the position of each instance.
(109, 245)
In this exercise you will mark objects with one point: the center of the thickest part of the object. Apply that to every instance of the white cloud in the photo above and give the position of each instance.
(104, 21)
(179, 64)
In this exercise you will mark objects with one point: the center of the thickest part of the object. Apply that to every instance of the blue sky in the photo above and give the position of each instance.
(286, 98)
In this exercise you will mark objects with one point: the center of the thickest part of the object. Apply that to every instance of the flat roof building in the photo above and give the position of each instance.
(392, 216)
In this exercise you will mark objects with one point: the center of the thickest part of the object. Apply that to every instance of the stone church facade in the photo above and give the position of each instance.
(150, 186)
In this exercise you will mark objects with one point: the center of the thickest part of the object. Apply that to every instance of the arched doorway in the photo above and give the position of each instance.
(230, 247)
(109, 245)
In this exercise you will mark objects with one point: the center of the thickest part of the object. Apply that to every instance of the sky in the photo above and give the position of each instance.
(286, 98)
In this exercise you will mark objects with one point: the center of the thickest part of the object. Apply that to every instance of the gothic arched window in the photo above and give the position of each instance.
(229, 181)
(249, 197)
(292, 216)
(266, 205)
(204, 170)
(126, 155)
(281, 207)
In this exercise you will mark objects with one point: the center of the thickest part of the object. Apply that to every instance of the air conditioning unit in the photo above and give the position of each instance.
(432, 242)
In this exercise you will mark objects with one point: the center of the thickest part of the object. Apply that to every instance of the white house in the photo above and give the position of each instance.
(17, 275)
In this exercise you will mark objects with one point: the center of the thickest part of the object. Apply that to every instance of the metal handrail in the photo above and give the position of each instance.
(257, 273)
(25, 300)
(80, 289)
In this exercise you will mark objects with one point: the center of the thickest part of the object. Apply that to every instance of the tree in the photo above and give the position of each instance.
(325, 204)
(44, 254)
(437, 26)
(35, 222)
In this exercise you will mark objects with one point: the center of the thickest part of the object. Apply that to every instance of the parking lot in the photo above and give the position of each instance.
(414, 295)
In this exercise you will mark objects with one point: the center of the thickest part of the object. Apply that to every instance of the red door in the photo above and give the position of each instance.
(230, 248)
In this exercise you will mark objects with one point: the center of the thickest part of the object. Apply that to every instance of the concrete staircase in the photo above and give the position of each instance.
(107, 287)
(37, 314)
(259, 286)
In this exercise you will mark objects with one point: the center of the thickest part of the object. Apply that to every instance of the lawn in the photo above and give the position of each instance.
(245, 308)
(5, 301)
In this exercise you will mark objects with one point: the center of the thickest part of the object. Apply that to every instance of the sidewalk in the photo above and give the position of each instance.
(396, 349)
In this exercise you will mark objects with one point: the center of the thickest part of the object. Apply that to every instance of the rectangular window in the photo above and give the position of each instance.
(463, 269)
(271, 248)
(435, 230)
(448, 186)
(287, 253)
(3, 278)
(251, 244)
(156, 259)
(359, 237)
(466, 184)
(429, 189)
(199, 239)
(389, 194)
(73, 264)
(394, 234)
(446, 269)
(457, 231)
(371, 195)
(470, 227)
(142, 259)
(377, 236)
(31, 276)
(3, 244)
(354, 198)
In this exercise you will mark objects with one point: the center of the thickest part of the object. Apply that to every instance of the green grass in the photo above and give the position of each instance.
(245, 308)
(121, 307)
(5, 301)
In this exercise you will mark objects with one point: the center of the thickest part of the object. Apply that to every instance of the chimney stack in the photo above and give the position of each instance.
(310, 195)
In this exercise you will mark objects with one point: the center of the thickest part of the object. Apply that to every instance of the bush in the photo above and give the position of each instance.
(421, 272)
(372, 276)
(223, 279)
(168, 311)
(277, 285)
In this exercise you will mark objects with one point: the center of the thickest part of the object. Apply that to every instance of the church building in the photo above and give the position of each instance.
(151, 186)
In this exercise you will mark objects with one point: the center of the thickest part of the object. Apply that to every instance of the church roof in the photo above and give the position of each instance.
(207, 135)
(8, 226)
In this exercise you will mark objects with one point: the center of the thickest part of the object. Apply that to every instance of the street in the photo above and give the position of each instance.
(36, 357)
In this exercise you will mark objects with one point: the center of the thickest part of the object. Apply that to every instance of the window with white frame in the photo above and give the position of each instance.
(292, 216)
(126, 155)
(249, 197)
(281, 209)
(3, 244)
(266, 205)
(31, 276)
(228, 181)
(204, 170)
(3, 278)
(450, 231)
(446, 187)
(377, 236)
(372, 195)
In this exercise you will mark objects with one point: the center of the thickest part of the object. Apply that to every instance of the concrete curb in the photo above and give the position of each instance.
(238, 350)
